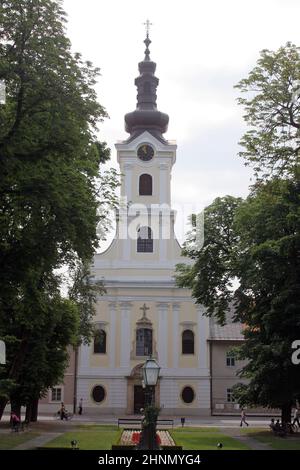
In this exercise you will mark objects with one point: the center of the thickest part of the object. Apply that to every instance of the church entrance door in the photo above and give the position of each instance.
(139, 399)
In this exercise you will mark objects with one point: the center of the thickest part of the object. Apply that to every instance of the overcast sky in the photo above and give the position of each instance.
(202, 49)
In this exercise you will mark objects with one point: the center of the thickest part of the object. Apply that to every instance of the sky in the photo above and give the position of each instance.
(202, 49)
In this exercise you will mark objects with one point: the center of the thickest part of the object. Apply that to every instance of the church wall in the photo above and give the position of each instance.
(171, 399)
(115, 395)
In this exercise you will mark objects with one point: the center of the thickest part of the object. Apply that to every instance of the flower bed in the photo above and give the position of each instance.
(132, 437)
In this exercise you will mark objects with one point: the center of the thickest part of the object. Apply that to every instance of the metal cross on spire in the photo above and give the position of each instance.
(147, 40)
(147, 24)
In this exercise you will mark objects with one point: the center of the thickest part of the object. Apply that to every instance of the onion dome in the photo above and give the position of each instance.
(146, 117)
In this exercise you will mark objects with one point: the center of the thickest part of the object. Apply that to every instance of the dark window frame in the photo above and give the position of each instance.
(188, 344)
(230, 360)
(145, 185)
(56, 394)
(145, 245)
(100, 345)
(230, 396)
(188, 389)
(144, 342)
(103, 393)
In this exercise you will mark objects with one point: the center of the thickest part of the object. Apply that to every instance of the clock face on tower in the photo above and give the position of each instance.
(145, 152)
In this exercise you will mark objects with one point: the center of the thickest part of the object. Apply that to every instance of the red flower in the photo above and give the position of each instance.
(136, 437)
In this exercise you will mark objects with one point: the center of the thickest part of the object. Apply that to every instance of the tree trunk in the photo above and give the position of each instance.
(286, 413)
(34, 410)
(28, 412)
(3, 403)
(15, 370)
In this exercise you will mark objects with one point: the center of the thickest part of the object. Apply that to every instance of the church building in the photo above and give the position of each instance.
(143, 313)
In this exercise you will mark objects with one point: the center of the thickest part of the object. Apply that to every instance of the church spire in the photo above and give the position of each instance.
(147, 40)
(146, 116)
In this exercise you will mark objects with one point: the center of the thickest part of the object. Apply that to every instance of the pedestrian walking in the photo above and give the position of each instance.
(80, 406)
(243, 418)
(296, 417)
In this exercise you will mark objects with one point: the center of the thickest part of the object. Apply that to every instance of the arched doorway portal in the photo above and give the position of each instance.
(136, 392)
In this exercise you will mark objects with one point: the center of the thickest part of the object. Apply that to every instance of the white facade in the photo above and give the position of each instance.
(133, 279)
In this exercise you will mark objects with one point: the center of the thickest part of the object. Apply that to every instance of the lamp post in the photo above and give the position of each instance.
(150, 373)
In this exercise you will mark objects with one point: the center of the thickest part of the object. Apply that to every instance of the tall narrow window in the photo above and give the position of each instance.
(100, 342)
(188, 341)
(230, 396)
(145, 185)
(144, 342)
(56, 394)
(145, 240)
(230, 359)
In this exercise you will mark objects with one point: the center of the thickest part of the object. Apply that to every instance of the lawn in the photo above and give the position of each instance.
(291, 442)
(13, 439)
(205, 439)
(88, 437)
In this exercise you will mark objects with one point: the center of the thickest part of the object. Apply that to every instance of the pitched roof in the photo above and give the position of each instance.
(230, 331)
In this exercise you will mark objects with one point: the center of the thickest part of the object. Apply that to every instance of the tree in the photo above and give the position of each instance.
(262, 252)
(272, 110)
(268, 299)
(212, 273)
(50, 186)
(47, 355)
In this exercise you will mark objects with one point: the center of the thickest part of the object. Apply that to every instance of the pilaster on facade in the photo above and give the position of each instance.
(127, 168)
(203, 334)
(84, 358)
(112, 306)
(164, 183)
(125, 308)
(163, 337)
(176, 339)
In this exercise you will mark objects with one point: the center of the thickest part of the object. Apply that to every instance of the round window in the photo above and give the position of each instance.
(98, 394)
(188, 395)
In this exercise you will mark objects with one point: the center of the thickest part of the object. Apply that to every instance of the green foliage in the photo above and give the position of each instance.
(53, 199)
(272, 110)
(211, 275)
(261, 251)
(150, 414)
(205, 439)
(92, 438)
(84, 292)
(268, 298)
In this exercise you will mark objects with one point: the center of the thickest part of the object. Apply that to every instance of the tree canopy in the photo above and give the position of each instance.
(51, 188)
(271, 99)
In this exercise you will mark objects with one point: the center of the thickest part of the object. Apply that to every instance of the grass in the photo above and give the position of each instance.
(291, 442)
(12, 439)
(88, 437)
(205, 439)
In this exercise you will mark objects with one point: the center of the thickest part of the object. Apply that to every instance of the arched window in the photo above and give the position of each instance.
(100, 342)
(143, 342)
(145, 240)
(145, 185)
(188, 341)
(147, 87)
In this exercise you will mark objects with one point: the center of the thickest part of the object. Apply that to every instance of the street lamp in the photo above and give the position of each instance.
(150, 373)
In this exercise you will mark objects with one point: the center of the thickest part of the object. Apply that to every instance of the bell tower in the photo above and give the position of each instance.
(146, 159)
